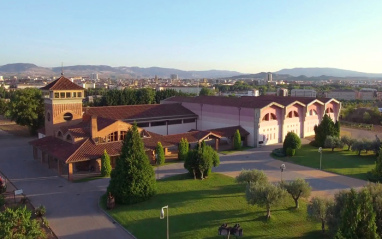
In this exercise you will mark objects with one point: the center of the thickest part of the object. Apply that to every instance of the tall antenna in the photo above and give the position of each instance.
(62, 68)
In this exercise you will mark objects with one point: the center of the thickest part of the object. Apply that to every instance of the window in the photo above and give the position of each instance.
(74, 94)
(170, 122)
(273, 116)
(69, 138)
(67, 94)
(112, 137)
(62, 95)
(143, 124)
(59, 134)
(79, 94)
(56, 95)
(122, 135)
(188, 121)
(68, 116)
(158, 123)
(292, 114)
(312, 112)
(329, 110)
(265, 118)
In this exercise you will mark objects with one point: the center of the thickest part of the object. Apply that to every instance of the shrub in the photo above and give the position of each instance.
(279, 152)
(291, 141)
(40, 211)
(159, 154)
(290, 152)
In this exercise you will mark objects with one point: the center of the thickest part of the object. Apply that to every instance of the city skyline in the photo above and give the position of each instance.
(249, 37)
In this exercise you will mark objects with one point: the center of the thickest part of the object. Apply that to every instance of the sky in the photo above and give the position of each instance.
(246, 36)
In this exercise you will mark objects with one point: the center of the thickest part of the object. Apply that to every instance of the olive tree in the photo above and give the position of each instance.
(297, 188)
(333, 142)
(252, 176)
(265, 195)
(318, 209)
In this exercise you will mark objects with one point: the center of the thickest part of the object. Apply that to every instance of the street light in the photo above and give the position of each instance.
(162, 217)
(320, 151)
(282, 168)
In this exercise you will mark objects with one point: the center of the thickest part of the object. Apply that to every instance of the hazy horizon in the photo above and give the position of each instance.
(245, 36)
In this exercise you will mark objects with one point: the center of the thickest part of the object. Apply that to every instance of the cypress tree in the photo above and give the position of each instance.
(160, 154)
(183, 149)
(133, 179)
(105, 165)
(326, 128)
(237, 140)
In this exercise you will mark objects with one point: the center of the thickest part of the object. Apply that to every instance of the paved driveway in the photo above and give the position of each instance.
(323, 183)
(72, 208)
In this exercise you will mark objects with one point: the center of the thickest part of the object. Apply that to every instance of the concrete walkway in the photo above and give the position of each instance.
(72, 208)
(323, 183)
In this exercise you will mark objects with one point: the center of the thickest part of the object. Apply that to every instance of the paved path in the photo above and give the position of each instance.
(323, 183)
(72, 208)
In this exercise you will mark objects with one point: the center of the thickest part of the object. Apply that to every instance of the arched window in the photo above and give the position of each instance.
(268, 117)
(59, 134)
(272, 116)
(292, 114)
(329, 110)
(313, 112)
(68, 137)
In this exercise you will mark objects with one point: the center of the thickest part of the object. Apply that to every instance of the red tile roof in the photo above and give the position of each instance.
(62, 83)
(243, 102)
(229, 132)
(139, 112)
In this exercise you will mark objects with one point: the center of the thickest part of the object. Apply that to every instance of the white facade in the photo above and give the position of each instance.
(303, 93)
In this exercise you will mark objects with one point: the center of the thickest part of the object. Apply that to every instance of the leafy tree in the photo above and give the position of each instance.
(377, 171)
(17, 223)
(159, 154)
(191, 162)
(375, 190)
(27, 108)
(183, 149)
(206, 91)
(291, 141)
(200, 161)
(358, 216)
(252, 176)
(3, 106)
(366, 117)
(358, 146)
(105, 165)
(319, 210)
(237, 140)
(324, 129)
(297, 188)
(265, 195)
(333, 142)
(133, 179)
(145, 96)
(347, 141)
(337, 129)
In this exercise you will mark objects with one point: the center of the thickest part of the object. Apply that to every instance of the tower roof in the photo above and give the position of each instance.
(62, 83)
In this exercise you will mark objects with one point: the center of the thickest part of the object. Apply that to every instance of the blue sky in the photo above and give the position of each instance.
(246, 36)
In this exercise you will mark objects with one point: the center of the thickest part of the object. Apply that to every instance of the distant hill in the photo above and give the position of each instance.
(314, 72)
(26, 69)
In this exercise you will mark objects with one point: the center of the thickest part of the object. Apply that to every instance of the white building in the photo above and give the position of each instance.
(303, 93)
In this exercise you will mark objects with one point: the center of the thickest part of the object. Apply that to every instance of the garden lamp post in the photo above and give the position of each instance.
(320, 151)
(162, 217)
(282, 168)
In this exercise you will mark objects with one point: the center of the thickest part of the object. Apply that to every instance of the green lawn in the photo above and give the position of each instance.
(197, 208)
(340, 161)
(233, 150)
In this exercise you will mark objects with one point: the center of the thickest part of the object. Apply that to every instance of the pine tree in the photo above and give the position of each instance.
(237, 140)
(105, 165)
(133, 179)
(183, 149)
(159, 154)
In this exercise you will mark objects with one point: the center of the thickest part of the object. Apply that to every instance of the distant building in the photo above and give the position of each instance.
(367, 94)
(269, 77)
(174, 76)
(303, 93)
(94, 76)
(89, 85)
(282, 92)
(343, 94)
(1, 78)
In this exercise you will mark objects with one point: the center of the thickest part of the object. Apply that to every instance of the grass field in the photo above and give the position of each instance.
(197, 208)
(340, 161)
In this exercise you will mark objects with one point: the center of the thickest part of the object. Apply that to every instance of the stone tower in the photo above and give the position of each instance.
(63, 104)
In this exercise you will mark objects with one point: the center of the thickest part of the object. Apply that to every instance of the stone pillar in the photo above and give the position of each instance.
(70, 171)
(217, 144)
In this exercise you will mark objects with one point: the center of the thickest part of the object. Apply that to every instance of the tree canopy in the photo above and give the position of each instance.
(183, 149)
(324, 129)
(291, 141)
(133, 179)
(206, 91)
(27, 108)
(252, 176)
(200, 161)
(297, 188)
(159, 154)
(105, 165)
(237, 140)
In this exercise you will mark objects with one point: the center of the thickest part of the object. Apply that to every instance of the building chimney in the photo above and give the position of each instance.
(94, 126)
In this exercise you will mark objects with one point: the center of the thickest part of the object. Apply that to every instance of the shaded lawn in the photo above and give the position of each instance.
(340, 161)
(226, 152)
(197, 208)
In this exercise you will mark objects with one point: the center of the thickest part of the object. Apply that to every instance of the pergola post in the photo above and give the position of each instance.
(70, 171)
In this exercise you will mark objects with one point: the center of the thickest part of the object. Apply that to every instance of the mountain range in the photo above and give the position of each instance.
(104, 71)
